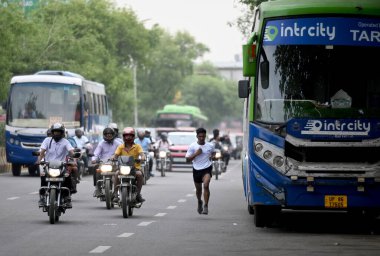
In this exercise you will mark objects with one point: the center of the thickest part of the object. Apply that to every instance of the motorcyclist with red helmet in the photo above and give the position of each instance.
(130, 148)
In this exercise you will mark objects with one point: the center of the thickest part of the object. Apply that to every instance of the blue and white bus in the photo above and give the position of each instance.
(37, 101)
(312, 108)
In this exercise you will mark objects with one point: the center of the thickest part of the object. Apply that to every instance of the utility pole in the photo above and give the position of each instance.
(135, 92)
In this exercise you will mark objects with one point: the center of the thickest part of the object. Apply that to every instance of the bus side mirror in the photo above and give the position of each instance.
(243, 88)
(264, 74)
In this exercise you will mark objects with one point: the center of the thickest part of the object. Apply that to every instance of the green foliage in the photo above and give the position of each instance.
(216, 97)
(104, 44)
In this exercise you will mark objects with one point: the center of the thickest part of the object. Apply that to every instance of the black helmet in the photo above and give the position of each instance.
(58, 127)
(215, 132)
(108, 131)
(48, 132)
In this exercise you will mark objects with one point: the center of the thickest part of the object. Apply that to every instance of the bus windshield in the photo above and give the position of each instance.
(314, 79)
(41, 104)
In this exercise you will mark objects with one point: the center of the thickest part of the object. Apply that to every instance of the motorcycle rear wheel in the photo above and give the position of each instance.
(52, 206)
(124, 201)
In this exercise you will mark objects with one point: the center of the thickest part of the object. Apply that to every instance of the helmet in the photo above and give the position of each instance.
(164, 135)
(108, 131)
(58, 127)
(78, 132)
(129, 130)
(141, 133)
(48, 132)
(114, 127)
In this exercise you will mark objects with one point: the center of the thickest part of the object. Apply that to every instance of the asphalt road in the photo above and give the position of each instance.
(168, 223)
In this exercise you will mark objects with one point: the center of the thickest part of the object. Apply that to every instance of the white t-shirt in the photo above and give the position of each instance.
(203, 160)
(81, 141)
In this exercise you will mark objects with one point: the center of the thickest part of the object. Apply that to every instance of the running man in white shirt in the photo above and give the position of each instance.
(201, 154)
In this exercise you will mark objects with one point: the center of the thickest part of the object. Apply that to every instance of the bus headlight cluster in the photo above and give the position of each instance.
(271, 154)
(14, 141)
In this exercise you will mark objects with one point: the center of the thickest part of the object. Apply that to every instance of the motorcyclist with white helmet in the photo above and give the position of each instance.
(146, 145)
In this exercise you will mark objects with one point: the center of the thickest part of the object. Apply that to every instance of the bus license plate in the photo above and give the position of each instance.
(335, 201)
(54, 179)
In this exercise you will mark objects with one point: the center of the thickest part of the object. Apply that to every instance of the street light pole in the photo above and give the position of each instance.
(135, 92)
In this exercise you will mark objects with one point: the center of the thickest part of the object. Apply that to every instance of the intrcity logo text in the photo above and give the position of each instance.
(337, 127)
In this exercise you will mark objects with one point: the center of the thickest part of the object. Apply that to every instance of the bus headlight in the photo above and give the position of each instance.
(278, 161)
(271, 154)
(125, 170)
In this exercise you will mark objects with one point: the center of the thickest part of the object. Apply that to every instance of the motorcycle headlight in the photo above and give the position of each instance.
(162, 154)
(125, 170)
(218, 155)
(54, 172)
(225, 148)
(106, 168)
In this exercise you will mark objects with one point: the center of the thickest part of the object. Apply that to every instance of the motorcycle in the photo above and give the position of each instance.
(217, 164)
(127, 188)
(226, 154)
(164, 162)
(107, 171)
(56, 172)
(145, 167)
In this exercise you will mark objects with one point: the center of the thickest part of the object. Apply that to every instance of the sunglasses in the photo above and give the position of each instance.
(128, 135)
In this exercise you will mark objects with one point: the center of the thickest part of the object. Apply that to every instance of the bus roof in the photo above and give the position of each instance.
(46, 79)
(182, 109)
(283, 8)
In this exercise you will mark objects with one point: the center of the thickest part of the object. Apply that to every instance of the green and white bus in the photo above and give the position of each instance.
(178, 116)
(312, 108)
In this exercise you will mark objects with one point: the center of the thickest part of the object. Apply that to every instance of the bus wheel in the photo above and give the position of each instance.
(265, 215)
(16, 169)
(33, 170)
(251, 210)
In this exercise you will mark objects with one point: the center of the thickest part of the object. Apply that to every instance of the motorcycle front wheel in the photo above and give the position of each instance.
(108, 192)
(216, 170)
(124, 201)
(162, 167)
(130, 207)
(52, 205)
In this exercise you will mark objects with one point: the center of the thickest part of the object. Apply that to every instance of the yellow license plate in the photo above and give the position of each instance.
(335, 201)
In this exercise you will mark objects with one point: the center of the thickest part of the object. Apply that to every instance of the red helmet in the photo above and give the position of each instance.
(129, 130)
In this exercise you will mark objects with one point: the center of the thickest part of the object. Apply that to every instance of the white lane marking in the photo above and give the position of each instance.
(125, 235)
(100, 249)
(171, 207)
(145, 223)
(109, 224)
(160, 214)
(33, 193)
(235, 224)
(13, 198)
(181, 200)
(190, 195)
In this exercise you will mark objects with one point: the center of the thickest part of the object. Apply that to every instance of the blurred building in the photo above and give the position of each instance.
(232, 70)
